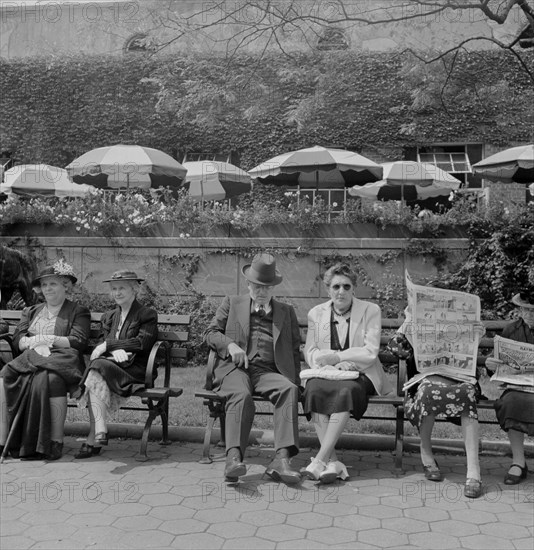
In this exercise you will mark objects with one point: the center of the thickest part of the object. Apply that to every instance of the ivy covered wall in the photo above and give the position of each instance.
(54, 109)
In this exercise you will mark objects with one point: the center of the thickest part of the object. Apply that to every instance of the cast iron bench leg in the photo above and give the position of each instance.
(206, 457)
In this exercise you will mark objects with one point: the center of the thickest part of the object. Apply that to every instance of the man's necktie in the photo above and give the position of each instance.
(261, 311)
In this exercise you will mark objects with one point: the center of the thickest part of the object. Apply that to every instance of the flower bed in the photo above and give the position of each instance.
(267, 207)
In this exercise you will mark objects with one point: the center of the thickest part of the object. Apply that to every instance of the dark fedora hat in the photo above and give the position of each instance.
(124, 275)
(523, 299)
(60, 269)
(262, 270)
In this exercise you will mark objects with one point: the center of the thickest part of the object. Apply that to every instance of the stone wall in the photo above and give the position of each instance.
(166, 263)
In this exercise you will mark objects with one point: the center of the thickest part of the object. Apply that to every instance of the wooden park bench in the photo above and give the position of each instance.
(216, 406)
(157, 392)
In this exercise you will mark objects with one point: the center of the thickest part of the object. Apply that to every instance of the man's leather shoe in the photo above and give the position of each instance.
(234, 468)
(280, 470)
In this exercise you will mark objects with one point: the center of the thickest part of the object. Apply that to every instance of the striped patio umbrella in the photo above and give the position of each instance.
(514, 164)
(41, 180)
(408, 180)
(127, 166)
(209, 180)
(318, 166)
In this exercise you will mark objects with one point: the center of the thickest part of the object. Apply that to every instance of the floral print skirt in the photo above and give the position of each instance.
(442, 400)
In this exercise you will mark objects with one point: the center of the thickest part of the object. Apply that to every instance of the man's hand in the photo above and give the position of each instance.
(239, 356)
(328, 358)
(98, 351)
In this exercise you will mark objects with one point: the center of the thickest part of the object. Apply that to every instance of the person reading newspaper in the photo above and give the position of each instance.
(433, 389)
(515, 407)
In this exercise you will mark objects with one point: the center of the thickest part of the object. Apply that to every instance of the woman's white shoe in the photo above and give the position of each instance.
(334, 470)
(314, 469)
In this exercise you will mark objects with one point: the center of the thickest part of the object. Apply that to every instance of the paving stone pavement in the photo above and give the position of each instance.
(172, 501)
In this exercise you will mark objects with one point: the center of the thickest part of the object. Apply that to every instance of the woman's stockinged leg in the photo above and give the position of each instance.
(99, 410)
(332, 429)
(517, 445)
(425, 434)
(3, 414)
(470, 431)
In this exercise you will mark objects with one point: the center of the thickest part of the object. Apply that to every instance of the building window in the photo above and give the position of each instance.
(335, 198)
(333, 38)
(139, 42)
(454, 159)
(220, 157)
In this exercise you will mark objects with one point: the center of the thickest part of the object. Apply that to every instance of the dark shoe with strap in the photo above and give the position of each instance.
(87, 451)
(433, 473)
(280, 470)
(56, 451)
(101, 438)
(473, 488)
(512, 479)
(235, 467)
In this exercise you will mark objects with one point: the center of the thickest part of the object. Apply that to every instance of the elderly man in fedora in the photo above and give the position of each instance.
(257, 340)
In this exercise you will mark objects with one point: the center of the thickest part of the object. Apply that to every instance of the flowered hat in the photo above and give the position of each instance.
(124, 275)
(61, 268)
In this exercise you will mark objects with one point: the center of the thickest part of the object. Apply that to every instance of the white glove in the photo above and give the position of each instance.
(42, 349)
(98, 351)
(119, 355)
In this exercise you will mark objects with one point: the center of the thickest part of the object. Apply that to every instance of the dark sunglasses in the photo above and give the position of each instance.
(345, 287)
(526, 297)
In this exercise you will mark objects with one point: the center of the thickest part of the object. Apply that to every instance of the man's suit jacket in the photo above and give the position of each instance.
(364, 337)
(232, 324)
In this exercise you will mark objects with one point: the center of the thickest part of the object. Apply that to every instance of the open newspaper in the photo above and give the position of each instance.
(517, 372)
(440, 326)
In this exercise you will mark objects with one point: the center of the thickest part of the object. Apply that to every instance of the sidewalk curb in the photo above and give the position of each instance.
(367, 442)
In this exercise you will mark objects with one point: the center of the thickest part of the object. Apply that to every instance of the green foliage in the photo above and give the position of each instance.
(60, 108)
(499, 265)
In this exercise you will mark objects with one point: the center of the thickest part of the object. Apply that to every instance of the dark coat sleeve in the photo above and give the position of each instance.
(216, 335)
(80, 328)
(140, 336)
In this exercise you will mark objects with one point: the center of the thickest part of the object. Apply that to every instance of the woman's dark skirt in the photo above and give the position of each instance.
(119, 380)
(515, 411)
(334, 396)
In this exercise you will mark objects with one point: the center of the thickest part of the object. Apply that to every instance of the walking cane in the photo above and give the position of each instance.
(18, 416)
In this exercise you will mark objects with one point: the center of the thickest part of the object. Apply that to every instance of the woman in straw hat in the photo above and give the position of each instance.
(515, 409)
(51, 337)
(118, 363)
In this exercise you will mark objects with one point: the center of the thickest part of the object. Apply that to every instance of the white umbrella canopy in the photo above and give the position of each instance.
(213, 180)
(513, 164)
(42, 180)
(127, 166)
(316, 166)
(408, 180)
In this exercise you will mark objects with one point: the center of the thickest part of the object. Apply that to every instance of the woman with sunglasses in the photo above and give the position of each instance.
(515, 409)
(343, 333)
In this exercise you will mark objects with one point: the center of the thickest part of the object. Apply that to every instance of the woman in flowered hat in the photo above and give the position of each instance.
(118, 363)
(51, 337)
(515, 408)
